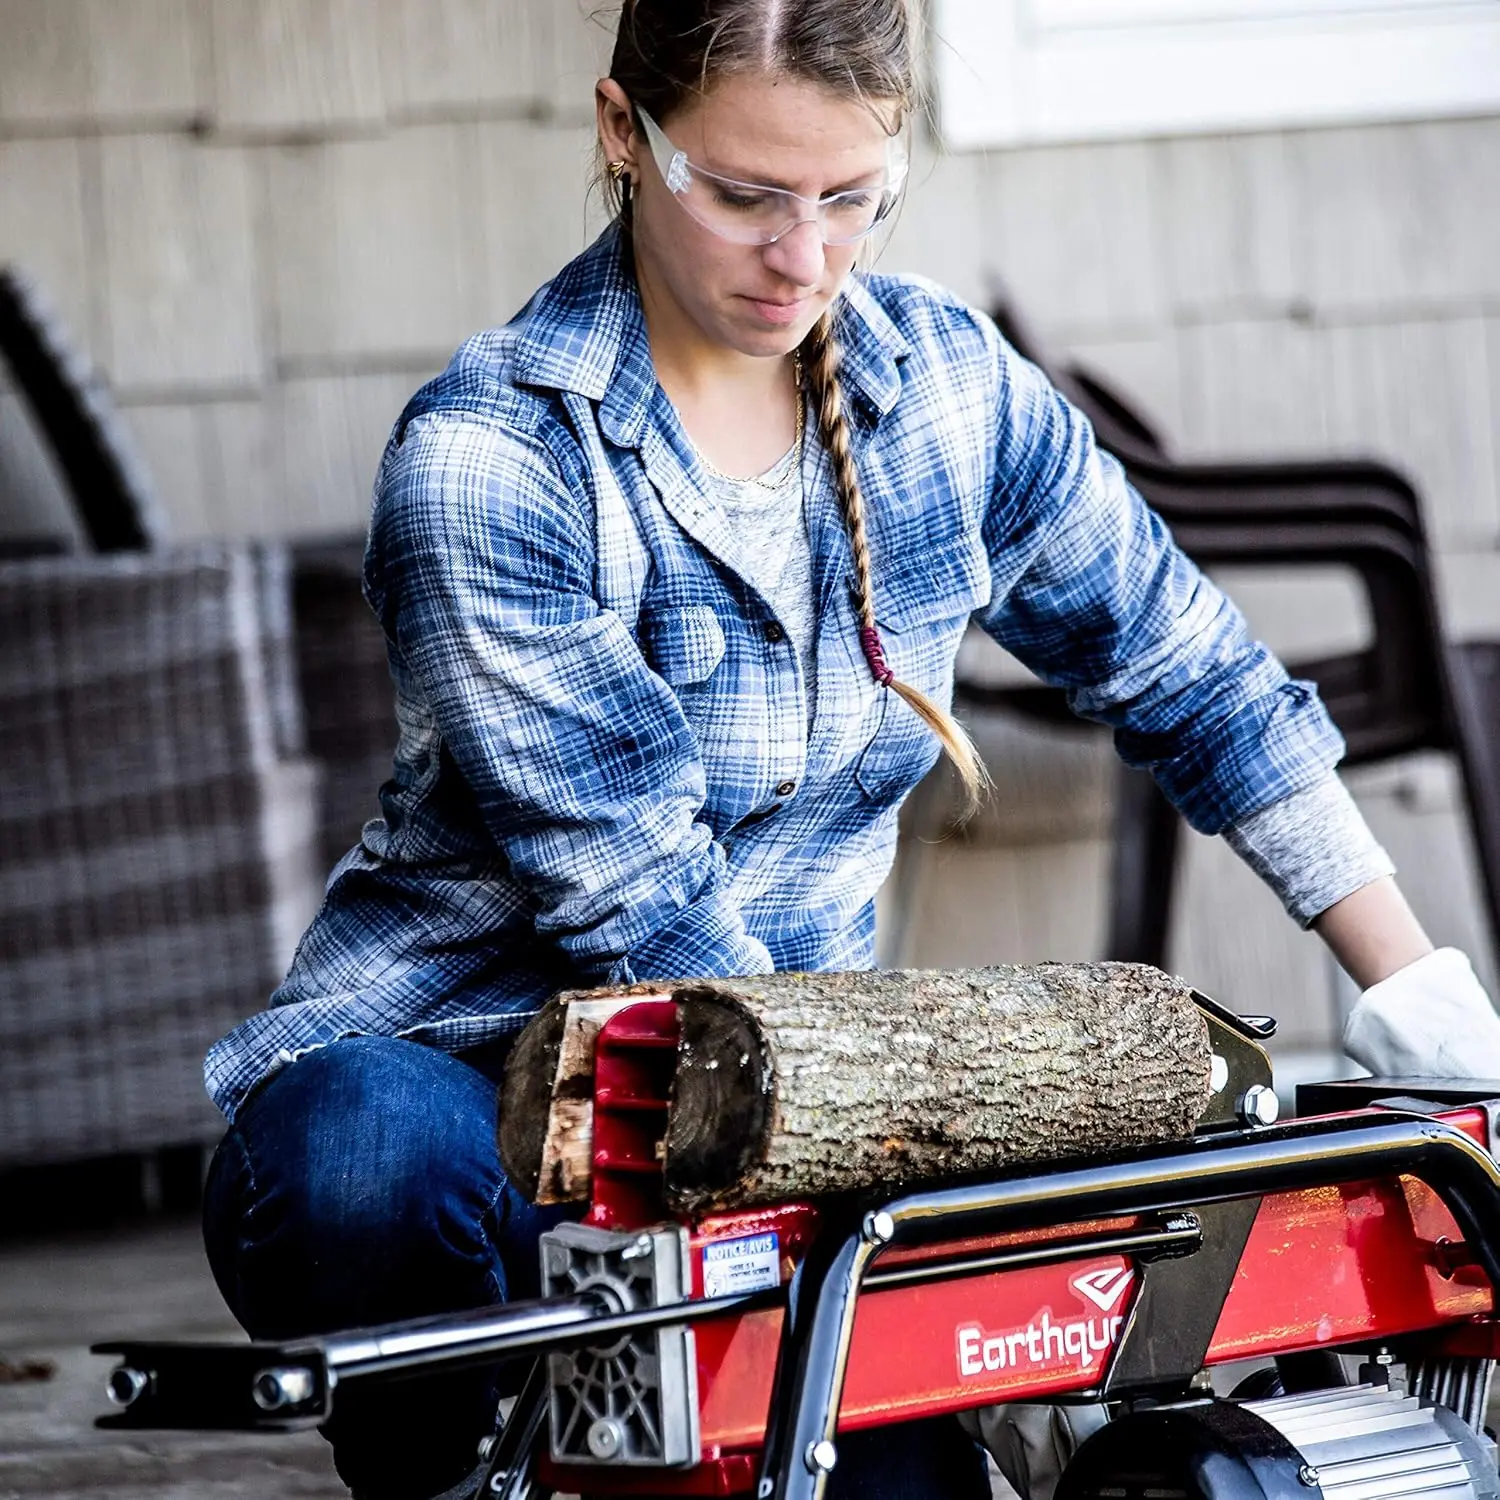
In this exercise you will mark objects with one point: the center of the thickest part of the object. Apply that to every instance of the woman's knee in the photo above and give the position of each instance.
(375, 1135)
(360, 1183)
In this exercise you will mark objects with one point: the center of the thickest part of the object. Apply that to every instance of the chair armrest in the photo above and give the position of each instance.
(1122, 428)
(111, 494)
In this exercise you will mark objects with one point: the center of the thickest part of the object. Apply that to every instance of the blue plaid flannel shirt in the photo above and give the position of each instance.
(605, 771)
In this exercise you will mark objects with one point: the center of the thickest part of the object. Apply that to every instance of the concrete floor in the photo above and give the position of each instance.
(59, 1296)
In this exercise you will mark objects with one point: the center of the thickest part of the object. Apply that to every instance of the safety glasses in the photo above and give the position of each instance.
(751, 213)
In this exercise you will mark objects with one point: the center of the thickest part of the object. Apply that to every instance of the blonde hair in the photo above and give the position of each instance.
(821, 362)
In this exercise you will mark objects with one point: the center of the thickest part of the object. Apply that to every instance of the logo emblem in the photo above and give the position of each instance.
(1104, 1288)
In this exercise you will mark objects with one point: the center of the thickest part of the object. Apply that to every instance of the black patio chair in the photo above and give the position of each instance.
(1409, 689)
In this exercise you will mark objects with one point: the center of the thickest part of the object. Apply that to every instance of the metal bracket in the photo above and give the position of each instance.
(634, 1400)
(1241, 1066)
(1176, 1309)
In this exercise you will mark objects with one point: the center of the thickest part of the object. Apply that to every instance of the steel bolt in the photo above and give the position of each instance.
(486, 1449)
(1308, 1475)
(1260, 1106)
(274, 1389)
(821, 1457)
(1378, 1369)
(605, 1438)
(879, 1228)
(126, 1385)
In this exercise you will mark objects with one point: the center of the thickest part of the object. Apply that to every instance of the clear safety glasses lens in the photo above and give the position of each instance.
(751, 213)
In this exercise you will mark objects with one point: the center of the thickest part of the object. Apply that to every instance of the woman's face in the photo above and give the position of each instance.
(766, 129)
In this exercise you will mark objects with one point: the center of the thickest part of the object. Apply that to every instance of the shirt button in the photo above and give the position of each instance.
(773, 632)
(785, 788)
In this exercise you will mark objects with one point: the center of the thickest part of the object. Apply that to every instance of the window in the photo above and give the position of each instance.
(1011, 72)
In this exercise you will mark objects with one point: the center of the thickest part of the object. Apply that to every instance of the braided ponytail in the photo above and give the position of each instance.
(822, 359)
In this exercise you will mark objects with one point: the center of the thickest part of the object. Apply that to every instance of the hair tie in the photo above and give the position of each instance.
(870, 644)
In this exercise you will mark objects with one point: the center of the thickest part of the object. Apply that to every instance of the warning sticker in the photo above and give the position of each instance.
(742, 1265)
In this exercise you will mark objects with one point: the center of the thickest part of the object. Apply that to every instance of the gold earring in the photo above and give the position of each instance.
(616, 170)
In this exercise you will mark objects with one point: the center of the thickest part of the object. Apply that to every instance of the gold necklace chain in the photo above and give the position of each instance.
(796, 463)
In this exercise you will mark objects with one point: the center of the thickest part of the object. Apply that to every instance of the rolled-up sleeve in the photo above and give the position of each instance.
(1096, 598)
(580, 761)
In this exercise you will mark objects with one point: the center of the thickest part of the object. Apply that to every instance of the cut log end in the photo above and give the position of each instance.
(526, 1092)
(723, 1094)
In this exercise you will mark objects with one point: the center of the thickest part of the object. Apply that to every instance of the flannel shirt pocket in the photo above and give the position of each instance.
(684, 644)
(947, 581)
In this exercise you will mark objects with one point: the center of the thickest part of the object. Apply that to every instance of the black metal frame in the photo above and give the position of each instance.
(195, 1385)
(1201, 1191)
(509, 1467)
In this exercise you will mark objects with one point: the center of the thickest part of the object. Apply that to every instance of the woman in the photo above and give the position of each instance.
(673, 570)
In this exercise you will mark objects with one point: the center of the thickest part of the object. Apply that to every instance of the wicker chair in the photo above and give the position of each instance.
(170, 811)
(158, 837)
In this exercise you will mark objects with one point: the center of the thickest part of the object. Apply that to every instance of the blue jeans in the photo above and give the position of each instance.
(361, 1185)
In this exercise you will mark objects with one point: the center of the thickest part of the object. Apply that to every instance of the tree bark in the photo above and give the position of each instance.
(799, 1085)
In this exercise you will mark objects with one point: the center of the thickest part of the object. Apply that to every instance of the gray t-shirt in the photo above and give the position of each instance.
(767, 517)
(1312, 849)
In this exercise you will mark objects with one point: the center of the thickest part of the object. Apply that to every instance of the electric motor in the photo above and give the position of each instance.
(1363, 1442)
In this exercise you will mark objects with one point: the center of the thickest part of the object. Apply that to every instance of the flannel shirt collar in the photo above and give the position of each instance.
(586, 334)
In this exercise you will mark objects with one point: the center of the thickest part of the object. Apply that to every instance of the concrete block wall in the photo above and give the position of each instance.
(267, 221)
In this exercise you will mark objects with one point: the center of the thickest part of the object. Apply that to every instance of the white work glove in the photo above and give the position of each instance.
(1431, 1019)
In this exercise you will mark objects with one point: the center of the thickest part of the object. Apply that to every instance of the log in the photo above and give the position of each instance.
(801, 1085)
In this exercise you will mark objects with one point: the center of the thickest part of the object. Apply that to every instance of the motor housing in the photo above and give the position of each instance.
(1365, 1442)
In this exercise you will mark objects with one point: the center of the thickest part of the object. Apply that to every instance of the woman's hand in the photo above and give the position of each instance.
(1423, 1013)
